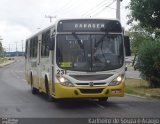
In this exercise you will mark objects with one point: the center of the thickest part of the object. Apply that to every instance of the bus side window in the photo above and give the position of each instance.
(44, 45)
(33, 47)
(26, 50)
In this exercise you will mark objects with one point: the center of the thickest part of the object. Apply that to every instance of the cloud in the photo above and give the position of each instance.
(21, 18)
(13, 33)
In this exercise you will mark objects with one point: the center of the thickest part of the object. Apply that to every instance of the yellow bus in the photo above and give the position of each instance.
(70, 59)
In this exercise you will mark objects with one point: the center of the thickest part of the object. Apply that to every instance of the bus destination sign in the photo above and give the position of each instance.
(89, 26)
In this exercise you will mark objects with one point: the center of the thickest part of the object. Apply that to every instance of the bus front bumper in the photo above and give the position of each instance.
(88, 92)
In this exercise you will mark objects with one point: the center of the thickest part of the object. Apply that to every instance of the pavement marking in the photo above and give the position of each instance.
(100, 106)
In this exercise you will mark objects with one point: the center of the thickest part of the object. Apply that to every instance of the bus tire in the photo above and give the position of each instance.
(49, 97)
(103, 99)
(33, 89)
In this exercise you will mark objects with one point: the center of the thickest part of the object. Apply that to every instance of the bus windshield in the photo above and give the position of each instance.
(89, 52)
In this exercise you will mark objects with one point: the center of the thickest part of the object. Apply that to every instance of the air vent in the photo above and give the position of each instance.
(91, 90)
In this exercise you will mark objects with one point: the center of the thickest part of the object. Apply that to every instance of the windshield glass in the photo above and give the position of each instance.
(89, 52)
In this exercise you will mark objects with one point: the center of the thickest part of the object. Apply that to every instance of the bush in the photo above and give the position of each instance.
(149, 62)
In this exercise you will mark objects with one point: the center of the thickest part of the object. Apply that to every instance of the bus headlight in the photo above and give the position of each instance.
(65, 82)
(117, 80)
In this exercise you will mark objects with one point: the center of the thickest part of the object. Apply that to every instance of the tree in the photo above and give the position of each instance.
(149, 61)
(138, 35)
(147, 12)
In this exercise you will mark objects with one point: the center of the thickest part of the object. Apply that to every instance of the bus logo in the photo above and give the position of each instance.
(91, 84)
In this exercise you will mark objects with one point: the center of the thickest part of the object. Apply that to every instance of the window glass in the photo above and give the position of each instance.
(90, 52)
(45, 41)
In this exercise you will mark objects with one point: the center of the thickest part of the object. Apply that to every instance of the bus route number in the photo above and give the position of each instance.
(61, 72)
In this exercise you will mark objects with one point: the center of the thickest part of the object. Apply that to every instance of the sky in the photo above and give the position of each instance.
(20, 19)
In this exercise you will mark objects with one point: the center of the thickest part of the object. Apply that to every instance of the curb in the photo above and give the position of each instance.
(153, 96)
(146, 95)
(6, 63)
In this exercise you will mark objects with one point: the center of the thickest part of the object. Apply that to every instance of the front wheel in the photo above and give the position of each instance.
(33, 89)
(104, 99)
(49, 97)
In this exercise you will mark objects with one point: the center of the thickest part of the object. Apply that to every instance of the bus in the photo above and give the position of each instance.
(68, 59)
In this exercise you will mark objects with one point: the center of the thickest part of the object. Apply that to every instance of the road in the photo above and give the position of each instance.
(16, 101)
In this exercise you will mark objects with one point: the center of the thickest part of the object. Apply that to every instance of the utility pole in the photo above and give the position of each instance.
(22, 45)
(9, 47)
(16, 49)
(50, 17)
(118, 10)
(9, 50)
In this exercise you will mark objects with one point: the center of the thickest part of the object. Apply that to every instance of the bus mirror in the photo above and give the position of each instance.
(51, 43)
(127, 45)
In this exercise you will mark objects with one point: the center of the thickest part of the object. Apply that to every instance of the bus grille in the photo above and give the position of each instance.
(91, 77)
(91, 90)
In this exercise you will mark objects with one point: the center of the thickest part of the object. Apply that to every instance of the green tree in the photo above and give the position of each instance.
(138, 35)
(149, 62)
(147, 13)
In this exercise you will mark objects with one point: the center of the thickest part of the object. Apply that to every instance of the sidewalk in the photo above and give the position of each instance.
(131, 73)
(140, 87)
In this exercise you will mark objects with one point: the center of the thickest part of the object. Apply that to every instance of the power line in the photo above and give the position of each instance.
(111, 3)
(96, 8)
(93, 9)
(66, 8)
(104, 8)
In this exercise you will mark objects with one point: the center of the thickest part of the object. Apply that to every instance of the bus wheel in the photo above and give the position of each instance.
(103, 99)
(33, 89)
(49, 97)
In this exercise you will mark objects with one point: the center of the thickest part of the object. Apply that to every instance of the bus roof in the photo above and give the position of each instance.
(70, 19)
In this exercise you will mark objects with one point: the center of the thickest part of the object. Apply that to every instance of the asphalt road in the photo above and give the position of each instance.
(16, 101)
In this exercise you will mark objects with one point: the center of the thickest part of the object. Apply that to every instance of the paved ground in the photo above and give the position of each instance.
(131, 73)
(16, 101)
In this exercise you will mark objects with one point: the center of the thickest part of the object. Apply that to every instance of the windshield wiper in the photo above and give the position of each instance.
(100, 40)
(79, 41)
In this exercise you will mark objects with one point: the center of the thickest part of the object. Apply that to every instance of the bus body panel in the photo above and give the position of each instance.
(69, 92)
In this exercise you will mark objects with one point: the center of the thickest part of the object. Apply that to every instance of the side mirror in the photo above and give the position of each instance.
(127, 45)
(51, 43)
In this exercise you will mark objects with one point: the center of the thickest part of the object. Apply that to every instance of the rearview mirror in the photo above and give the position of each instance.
(127, 45)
